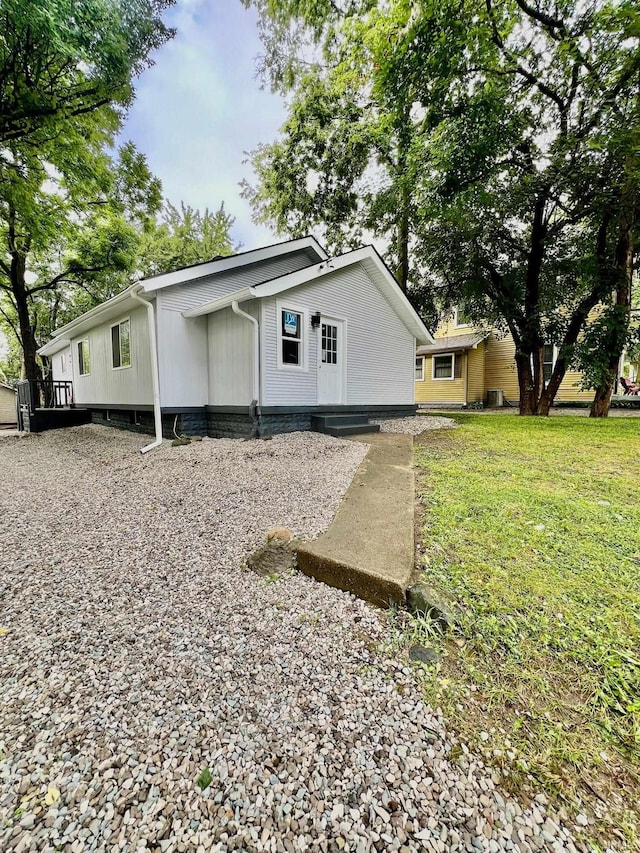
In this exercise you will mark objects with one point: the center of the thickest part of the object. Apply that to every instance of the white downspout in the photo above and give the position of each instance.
(256, 356)
(157, 413)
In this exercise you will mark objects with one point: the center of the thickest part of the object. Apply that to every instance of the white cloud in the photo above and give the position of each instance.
(200, 107)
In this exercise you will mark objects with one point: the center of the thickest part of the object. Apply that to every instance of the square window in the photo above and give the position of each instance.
(461, 318)
(290, 351)
(443, 366)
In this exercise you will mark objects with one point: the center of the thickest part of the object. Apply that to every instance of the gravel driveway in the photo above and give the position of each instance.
(136, 653)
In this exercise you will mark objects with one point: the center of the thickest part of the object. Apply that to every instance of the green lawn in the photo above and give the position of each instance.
(532, 526)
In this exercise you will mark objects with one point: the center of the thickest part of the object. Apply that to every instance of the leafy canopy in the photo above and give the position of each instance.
(64, 59)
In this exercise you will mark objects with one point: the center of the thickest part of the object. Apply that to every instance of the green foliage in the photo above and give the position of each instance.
(65, 59)
(530, 527)
(592, 351)
(185, 237)
(70, 212)
(496, 145)
(70, 220)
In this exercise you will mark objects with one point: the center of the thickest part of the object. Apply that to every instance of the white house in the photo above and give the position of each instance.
(251, 344)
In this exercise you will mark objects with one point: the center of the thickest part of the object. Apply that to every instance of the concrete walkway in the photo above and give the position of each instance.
(369, 547)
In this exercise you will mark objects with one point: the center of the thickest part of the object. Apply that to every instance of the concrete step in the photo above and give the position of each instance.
(348, 429)
(369, 548)
(337, 420)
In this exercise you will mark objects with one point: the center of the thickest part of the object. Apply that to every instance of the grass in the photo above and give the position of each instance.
(531, 526)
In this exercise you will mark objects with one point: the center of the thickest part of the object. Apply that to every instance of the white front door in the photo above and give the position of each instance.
(330, 361)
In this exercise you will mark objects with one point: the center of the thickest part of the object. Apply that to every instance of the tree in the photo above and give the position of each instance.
(344, 162)
(66, 59)
(185, 237)
(68, 229)
(515, 185)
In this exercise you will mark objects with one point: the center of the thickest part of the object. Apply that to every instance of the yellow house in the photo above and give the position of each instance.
(465, 366)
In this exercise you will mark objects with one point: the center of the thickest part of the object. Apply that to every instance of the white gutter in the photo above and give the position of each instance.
(153, 347)
(256, 348)
(79, 322)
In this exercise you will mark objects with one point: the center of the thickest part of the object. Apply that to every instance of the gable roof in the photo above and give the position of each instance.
(370, 260)
(454, 343)
(123, 301)
(231, 262)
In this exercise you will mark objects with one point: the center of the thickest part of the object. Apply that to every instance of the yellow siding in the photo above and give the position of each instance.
(447, 391)
(570, 388)
(501, 373)
(476, 367)
(448, 329)
(491, 365)
(500, 367)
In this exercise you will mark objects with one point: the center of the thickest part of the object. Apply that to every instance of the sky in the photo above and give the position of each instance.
(200, 108)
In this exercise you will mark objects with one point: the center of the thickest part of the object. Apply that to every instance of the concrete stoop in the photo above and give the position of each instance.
(343, 426)
(369, 547)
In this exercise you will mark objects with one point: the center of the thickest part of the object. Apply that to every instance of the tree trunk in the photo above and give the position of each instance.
(528, 398)
(617, 335)
(403, 237)
(32, 369)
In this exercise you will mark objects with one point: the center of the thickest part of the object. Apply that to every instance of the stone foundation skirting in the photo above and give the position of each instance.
(234, 421)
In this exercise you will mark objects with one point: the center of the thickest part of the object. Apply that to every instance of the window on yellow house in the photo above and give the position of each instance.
(420, 369)
(461, 318)
(548, 361)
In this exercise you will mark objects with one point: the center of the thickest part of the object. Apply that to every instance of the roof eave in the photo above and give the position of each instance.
(231, 262)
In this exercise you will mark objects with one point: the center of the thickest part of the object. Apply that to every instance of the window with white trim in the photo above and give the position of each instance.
(548, 361)
(121, 344)
(444, 366)
(291, 338)
(84, 363)
(420, 368)
(63, 363)
(461, 318)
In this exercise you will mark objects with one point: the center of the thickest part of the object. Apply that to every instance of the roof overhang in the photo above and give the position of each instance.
(370, 260)
(110, 309)
(54, 346)
(455, 343)
(232, 262)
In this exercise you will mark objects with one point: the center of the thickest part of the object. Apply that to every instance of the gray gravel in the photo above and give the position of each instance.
(414, 425)
(139, 654)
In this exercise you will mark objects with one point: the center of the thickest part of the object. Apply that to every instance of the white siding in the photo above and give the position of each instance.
(182, 357)
(129, 385)
(180, 297)
(7, 405)
(56, 366)
(379, 350)
(231, 357)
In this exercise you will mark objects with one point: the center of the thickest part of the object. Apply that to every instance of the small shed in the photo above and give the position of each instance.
(8, 416)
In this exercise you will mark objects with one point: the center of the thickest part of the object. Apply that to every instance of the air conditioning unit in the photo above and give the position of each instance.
(495, 398)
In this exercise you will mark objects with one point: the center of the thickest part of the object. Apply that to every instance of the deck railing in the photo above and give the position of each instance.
(45, 394)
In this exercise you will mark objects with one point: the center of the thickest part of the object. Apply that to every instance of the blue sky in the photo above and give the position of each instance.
(200, 107)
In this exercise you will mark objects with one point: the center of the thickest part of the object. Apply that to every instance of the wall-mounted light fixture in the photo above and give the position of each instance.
(315, 320)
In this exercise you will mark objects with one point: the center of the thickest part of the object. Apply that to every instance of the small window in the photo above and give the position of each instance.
(63, 363)
(443, 366)
(84, 364)
(548, 361)
(120, 345)
(291, 337)
(461, 318)
(420, 369)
